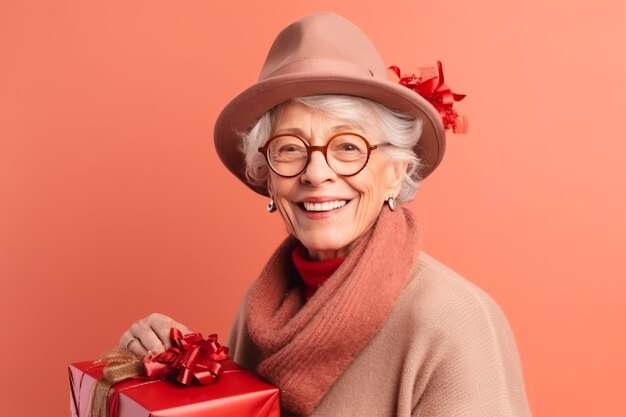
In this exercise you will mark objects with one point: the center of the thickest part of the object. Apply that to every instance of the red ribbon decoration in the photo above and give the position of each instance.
(191, 358)
(431, 86)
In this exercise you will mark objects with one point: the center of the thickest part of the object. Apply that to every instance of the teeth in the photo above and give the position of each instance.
(325, 206)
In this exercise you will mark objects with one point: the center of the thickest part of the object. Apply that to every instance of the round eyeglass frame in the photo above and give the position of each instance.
(323, 149)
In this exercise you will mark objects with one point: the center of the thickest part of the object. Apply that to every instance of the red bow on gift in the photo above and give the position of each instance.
(191, 358)
(431, 86)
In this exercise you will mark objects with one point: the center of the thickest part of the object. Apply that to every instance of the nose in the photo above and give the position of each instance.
(317, 171)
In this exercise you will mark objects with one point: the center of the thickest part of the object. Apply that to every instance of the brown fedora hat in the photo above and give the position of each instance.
(323, 54)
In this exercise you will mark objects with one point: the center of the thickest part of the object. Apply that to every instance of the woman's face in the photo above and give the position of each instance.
(351, 204)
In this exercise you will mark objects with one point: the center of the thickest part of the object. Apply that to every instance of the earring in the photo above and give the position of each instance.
(392, 203)
(271, 206)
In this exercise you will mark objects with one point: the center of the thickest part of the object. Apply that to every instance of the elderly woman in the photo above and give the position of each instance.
(349, 317)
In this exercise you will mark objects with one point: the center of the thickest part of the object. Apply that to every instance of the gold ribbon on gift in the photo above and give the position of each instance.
(119, 365)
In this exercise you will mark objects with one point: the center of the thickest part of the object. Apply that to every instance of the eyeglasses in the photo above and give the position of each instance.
(346, 153)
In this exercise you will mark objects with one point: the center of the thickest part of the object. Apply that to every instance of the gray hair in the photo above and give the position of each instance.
(398, 129)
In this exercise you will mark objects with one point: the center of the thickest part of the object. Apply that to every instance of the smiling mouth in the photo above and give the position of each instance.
(325, 206)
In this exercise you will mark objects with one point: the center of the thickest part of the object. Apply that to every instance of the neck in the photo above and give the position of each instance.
(324, 255)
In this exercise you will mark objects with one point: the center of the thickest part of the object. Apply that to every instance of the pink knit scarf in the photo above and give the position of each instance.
(307, 347)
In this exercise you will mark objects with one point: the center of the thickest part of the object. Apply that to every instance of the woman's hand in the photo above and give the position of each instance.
(150, 334)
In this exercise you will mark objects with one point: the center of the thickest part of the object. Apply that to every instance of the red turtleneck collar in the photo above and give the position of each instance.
(313, 273)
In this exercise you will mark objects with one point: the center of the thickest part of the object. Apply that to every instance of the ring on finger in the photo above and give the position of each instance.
(134, 339)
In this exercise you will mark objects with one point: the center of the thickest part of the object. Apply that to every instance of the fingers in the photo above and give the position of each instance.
(150, 334)
(160, 325)
(143, 331)
(130, 342)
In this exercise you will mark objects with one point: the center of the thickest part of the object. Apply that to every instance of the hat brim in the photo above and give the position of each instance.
(246, 108)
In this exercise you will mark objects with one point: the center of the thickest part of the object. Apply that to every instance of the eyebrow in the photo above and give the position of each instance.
(299, 132)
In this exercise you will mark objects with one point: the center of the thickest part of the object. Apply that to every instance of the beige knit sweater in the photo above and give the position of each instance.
(446, 350)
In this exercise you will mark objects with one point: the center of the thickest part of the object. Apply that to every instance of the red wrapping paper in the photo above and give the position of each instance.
(238, 393)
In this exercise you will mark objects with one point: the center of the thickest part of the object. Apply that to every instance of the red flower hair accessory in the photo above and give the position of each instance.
(429, 84)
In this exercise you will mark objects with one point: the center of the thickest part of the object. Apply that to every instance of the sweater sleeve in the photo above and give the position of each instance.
(478, 373)
(241, 348)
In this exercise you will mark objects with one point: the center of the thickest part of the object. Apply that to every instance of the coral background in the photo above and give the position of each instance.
(113, 204)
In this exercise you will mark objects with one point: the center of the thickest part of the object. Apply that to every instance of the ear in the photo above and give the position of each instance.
(395, 176)
(269, 186)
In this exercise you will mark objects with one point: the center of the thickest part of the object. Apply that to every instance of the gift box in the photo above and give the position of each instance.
(235, 393)
(238, 393)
